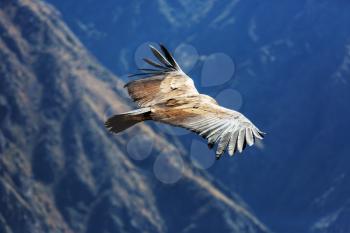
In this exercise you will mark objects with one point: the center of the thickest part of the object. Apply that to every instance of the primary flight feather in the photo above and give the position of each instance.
(167, 95)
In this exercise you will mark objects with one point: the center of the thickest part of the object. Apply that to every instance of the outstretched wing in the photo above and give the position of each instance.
(227, 128)
(161, 83)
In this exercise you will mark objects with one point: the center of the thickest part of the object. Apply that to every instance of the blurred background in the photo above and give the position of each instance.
(284, 64)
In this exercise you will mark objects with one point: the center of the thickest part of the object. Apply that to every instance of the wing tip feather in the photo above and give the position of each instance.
(167, 62)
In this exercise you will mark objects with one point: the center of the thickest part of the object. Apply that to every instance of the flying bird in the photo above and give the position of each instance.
(166, 94)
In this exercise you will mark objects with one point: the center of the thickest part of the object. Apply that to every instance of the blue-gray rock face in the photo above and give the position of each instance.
(60, 170)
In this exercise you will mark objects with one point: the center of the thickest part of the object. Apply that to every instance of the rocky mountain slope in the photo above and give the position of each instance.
(60, 170)
(292, 71)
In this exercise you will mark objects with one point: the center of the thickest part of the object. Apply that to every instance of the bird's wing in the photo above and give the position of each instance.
(165, 81)
(227, 128)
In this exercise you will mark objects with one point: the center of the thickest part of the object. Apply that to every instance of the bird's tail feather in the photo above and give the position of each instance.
(120, 122)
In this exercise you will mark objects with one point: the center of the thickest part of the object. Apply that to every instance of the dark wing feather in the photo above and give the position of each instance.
(169, 57)
(152, 63)
(167, 63)
(160, 57)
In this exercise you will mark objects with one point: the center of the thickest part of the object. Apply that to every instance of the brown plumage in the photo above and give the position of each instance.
(166, 94)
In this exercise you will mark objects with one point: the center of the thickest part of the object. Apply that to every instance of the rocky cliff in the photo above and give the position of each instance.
(60, 170)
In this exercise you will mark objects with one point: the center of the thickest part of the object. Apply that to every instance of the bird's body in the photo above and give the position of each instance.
(168, 95)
